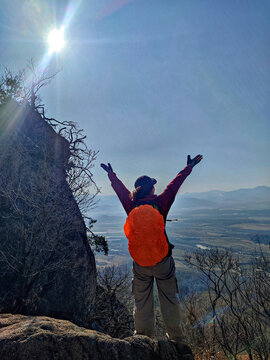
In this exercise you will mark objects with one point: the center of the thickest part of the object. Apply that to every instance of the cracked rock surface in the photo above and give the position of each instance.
(39, 337)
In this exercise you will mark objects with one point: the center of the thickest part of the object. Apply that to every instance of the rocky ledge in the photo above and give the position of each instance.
(43, 338)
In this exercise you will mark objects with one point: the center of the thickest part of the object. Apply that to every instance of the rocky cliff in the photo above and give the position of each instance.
(46, 264)
(43, 338)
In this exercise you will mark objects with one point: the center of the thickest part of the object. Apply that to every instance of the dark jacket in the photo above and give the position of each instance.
(163, 201)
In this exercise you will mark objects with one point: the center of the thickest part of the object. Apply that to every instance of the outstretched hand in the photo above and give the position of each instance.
(107, 168)
(194, 161)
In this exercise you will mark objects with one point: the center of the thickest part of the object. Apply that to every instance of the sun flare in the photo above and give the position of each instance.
(56, 40)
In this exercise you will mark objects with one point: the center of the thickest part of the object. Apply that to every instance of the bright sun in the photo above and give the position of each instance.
(56, 40)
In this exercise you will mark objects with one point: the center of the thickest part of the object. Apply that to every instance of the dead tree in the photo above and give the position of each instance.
(114, 302)
(239, 302)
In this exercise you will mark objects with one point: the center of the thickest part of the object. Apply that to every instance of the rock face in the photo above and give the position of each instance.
(46, 264)
(43, 338)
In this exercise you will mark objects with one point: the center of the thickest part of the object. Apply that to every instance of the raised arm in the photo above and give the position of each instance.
(166, 199)
(121, 191)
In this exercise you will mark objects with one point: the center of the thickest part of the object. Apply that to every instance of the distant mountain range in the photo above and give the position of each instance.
(253, 198)
(257, 198)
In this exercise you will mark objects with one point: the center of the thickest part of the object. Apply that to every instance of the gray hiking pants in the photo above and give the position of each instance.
(142, 289)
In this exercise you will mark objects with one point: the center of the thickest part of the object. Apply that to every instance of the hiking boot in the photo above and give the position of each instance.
(181, 346)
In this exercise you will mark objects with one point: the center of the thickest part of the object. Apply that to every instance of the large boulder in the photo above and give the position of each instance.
(46, 264)
(44, 338)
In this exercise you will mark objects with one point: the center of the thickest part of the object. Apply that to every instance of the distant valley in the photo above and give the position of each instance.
(234, 220)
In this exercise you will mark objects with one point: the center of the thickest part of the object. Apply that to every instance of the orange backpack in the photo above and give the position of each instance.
(144, 228)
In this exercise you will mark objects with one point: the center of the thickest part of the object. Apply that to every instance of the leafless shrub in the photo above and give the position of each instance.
(239, 299)
(114, 302)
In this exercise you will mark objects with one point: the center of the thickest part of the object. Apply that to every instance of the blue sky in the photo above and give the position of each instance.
(151, 81)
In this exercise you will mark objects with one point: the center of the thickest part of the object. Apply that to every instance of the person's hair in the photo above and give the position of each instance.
(140, 192)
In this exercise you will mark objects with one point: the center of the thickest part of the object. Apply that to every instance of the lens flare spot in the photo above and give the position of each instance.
(56, 40)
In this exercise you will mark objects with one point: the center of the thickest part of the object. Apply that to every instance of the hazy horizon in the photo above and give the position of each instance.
(112, 193)
(153, 81)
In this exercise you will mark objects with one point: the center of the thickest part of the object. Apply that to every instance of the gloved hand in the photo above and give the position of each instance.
(107, 168)
(195, 161)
